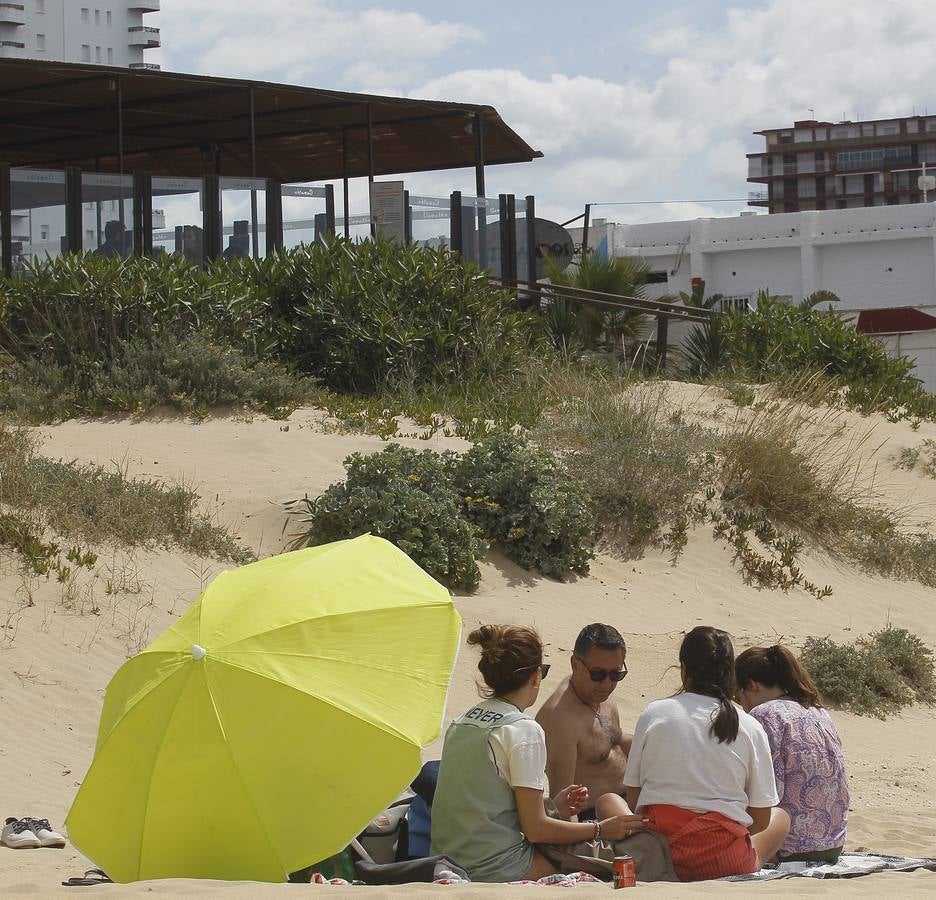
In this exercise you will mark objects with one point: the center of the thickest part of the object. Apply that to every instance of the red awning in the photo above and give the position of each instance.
(897, 320)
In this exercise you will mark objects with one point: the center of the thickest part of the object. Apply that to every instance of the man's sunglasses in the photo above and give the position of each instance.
(616, 675)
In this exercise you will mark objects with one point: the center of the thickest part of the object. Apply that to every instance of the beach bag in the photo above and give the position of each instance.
(385, 839)
(650, 852)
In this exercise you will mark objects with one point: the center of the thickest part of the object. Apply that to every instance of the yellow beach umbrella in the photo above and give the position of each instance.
(263, 730)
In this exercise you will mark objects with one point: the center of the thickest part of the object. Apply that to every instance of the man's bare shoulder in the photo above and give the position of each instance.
(562, 708)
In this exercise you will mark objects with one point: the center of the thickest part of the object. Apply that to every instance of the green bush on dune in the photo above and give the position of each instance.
(443, 509)
(874, 675)
(108, 334)
(778, 339)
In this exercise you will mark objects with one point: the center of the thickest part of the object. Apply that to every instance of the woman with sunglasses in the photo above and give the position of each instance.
(701, 771)
(488, 812)
(809, 764)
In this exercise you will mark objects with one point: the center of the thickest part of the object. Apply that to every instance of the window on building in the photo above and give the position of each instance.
(86, 53)
(40, 7)
(97, 17)
(89, 236)
(97, 54)
(108, 18)
(110, 55)
(40, 42)
(85, 15)
(888, 129)
(44, 232)
(656, 277)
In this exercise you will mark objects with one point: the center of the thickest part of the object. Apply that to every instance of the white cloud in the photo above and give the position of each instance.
(679, 133)
(302, 42)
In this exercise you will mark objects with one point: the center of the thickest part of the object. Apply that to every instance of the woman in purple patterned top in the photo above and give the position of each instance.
(809, 765)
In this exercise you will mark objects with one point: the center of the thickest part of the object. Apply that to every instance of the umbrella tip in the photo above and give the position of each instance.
(198, 652)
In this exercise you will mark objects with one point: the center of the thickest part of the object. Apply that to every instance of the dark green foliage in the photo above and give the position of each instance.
(193, 374)
(439, 508)
(77, 310)
(363, 316)
(523, 501)
(85, 335)
(778, 339)
(874, 675)
(406, 497)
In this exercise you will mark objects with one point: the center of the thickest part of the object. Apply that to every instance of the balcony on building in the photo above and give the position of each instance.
(12, 14)
(146, 66)
(143, 36)
(143, 6)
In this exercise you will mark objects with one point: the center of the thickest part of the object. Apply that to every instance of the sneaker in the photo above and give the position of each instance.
(18, 835)
(43, 830)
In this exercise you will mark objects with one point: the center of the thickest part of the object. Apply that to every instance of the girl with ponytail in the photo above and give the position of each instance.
(808, 761)
(700, 769)
(488, 811)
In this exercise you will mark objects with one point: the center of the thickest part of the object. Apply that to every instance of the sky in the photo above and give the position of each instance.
(629, 101)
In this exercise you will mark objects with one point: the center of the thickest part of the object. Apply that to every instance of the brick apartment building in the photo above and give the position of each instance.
(825, 165)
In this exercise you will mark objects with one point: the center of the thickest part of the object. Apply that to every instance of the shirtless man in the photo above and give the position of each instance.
(584, 741)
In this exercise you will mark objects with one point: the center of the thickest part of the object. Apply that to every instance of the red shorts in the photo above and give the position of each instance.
(704, 845)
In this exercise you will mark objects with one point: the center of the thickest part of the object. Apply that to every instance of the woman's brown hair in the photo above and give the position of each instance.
(777, 667)
(509, 656)
(707, 658)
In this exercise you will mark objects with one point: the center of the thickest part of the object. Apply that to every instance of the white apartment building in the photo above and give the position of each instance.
(105, 32)
(108, 32)
(880, 261)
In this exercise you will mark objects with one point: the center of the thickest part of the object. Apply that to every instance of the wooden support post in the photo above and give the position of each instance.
(661, 337)
(455, 221)
(6, 221)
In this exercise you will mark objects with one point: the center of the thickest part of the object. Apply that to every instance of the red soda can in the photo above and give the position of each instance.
(624, 872)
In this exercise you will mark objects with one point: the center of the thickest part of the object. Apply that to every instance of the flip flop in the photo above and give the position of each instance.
(92, 876)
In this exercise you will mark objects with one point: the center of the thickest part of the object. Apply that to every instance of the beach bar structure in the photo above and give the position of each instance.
(80, 136)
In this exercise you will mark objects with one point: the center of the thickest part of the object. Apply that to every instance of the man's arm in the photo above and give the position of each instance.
(561, 752)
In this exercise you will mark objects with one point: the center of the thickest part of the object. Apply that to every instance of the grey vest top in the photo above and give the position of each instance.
(474, 812)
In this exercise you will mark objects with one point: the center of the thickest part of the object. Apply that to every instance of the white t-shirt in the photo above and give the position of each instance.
(675, 760)
(518, 750)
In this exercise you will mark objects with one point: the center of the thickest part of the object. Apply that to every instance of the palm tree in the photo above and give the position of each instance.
(569, 322)
(706, 350)
(817, 297)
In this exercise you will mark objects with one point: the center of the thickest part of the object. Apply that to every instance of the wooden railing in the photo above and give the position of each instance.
(662, 310)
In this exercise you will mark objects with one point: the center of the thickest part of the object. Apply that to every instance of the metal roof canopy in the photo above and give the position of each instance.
(108, 119)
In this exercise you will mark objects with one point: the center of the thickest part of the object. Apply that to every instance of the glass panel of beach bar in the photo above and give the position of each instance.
(177, 217)
(107, 214)
(303, 210)
(38, 215)
(243, 217)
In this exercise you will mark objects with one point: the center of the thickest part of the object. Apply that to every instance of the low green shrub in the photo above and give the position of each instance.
(522, 500)
(779, 338)
(874, 675)
(406, 497)
(192, 374)
(642, 464)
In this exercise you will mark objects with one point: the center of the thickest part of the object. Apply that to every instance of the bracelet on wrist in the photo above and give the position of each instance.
(597, 836)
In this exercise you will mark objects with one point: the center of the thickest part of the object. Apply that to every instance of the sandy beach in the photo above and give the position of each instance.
(58, 653)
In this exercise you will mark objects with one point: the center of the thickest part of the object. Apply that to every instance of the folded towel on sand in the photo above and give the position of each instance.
(850, 865)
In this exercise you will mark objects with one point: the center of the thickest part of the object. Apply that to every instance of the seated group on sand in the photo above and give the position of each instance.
(742, 766)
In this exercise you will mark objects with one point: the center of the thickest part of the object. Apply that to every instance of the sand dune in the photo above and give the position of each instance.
(58, 653)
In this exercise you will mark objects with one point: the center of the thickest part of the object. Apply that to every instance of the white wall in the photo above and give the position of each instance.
(871, 257)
